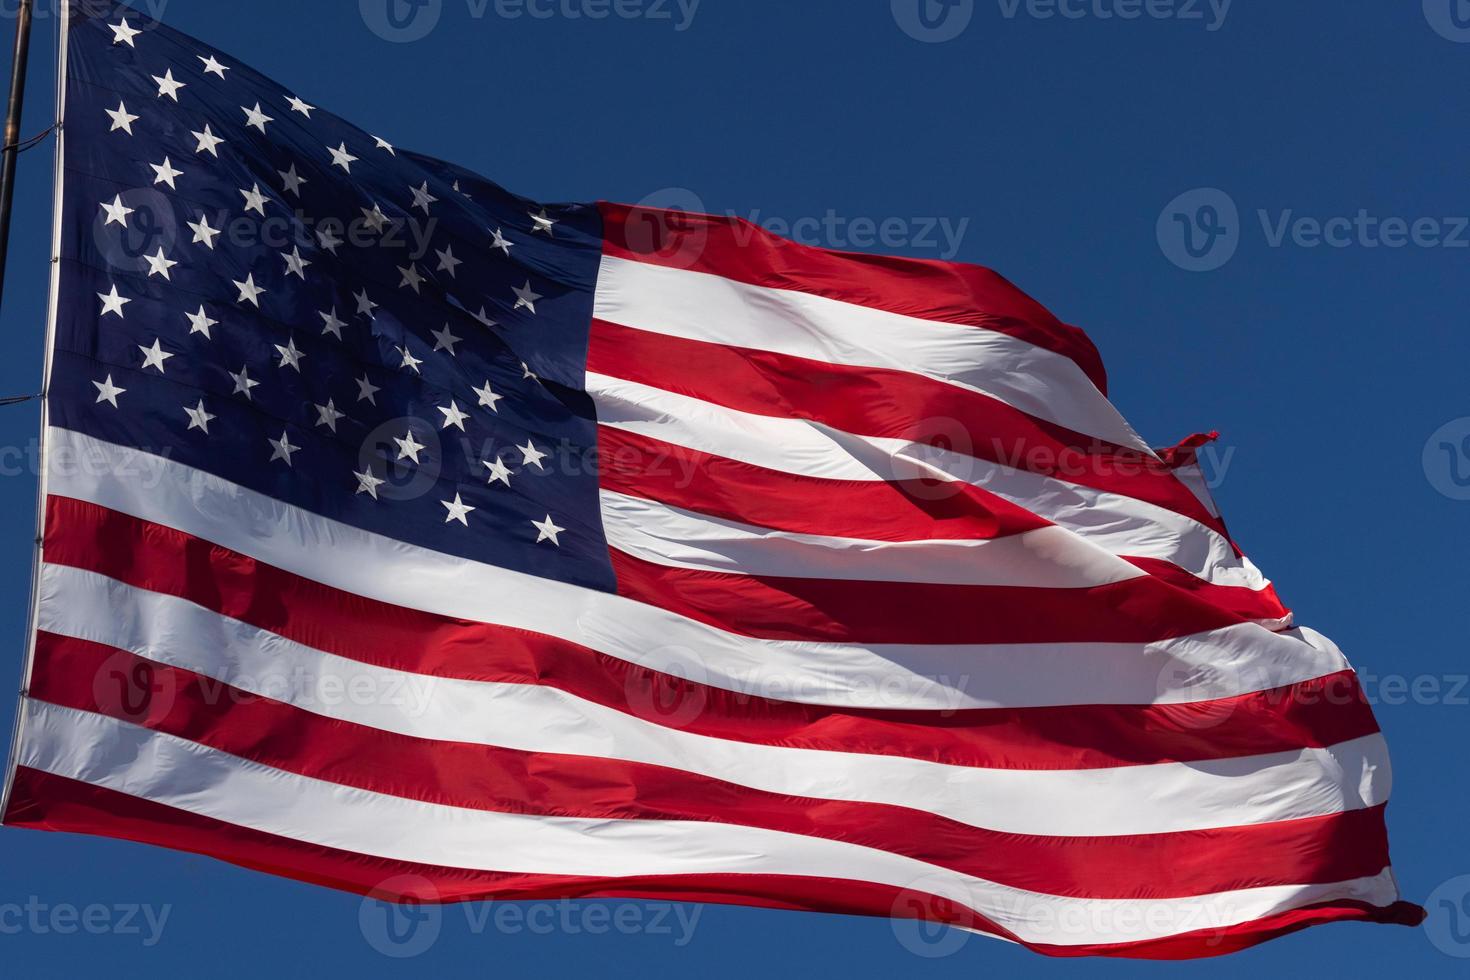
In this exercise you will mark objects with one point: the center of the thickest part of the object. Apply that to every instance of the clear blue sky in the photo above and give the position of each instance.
(1056, 144)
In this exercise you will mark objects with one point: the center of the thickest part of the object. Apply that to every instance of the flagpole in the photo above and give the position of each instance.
(12, 128)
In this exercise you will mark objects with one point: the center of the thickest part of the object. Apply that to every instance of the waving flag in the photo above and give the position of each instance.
(410, 537)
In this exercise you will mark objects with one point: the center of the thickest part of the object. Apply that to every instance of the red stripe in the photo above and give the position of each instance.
(92, 677)
(951, 292)
(900, 510)
(886, 404)
(1137, 610)
(46, 802)
(1317, 713)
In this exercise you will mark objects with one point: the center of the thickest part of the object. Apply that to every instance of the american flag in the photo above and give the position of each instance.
(410, 537)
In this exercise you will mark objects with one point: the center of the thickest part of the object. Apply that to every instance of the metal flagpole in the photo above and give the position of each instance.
(12, 128)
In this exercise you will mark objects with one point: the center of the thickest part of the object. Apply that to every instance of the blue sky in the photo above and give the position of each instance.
(1315, 152)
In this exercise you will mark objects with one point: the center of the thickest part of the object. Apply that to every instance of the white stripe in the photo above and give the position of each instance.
(1220, 663)
(1144, 799)
(1122, 525)
(704, 307)
(1048, 557)
(191, 777)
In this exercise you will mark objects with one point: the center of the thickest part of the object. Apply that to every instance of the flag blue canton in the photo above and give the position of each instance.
(256, 288)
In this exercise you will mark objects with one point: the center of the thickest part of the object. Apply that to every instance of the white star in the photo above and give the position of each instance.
(444, 340)
(328, 239)
(112, 302)
(501, 242)
(202, 231)
(375, 218)
(447, 261)
(548, 531)
(254, 199)
(292, 180)
(411, 277)
(422, 198)
(298, 106)
(200, 322)
(213, 67)
(249, 291)
(117, 212)
(499, 471)
(207, 141)
(332, 325)
(384, 145)
(154, 356)
(295, 264)
(408, 447)
(290, 356)
(454, 416)
(159, 264)
(107, 391)
(367, 483)
(366, 390)
(243, 384)
(164, 173)
(123, 33)
(526, 372)
(409, 361)
(341, 158)
(487, 397)
(365, 306)
(167, 86)
(458, 510)
(484, 317)
(198, 417)
(254, 117)
(526, 297)
(328, 415)
(533, 456)
(542, 222)
(281, 448)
